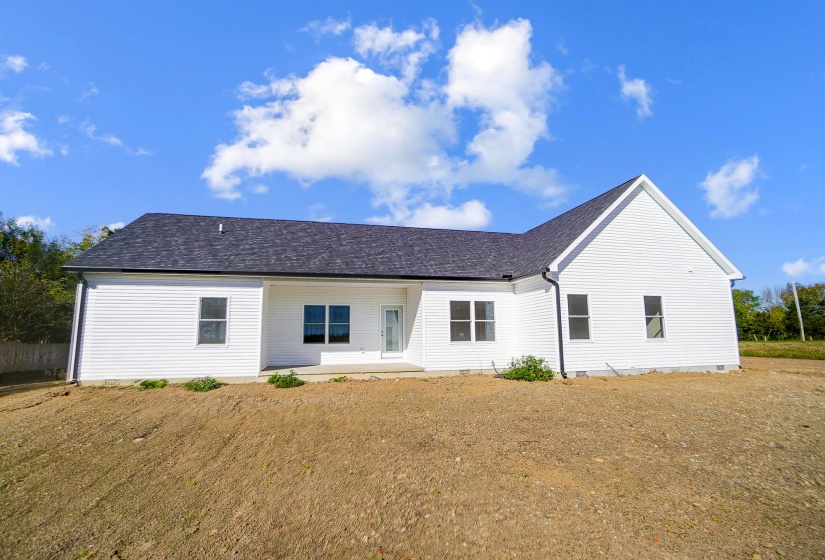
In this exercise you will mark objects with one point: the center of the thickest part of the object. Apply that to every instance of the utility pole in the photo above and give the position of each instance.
(798, 310)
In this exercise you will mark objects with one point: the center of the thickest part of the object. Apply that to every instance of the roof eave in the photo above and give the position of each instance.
(283, 274)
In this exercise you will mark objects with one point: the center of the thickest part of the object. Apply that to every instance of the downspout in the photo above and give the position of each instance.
(558, 322)
(79, 335)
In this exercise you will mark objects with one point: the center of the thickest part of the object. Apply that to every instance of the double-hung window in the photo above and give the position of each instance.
(578, 316)
(654, 317)
(339, 324)
(485, 318)
(326, 324)
(212, 320)
(472, 321)
(315, 324)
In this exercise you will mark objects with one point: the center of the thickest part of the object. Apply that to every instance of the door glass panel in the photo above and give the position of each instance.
(392, 330)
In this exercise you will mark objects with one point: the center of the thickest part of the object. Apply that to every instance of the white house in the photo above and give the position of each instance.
(623, 283)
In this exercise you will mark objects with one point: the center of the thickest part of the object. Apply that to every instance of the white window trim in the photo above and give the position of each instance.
(472, 321)
(589, 321)
(326, 307)
(228, 299)
(664, 319)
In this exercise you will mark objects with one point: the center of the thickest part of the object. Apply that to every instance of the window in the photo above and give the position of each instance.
(212, 321)
(315, 323)
(460, 321)
(339, 324)
(654, 317)
(485, 321)
(472, 321)
(578, 317)
(326, 324)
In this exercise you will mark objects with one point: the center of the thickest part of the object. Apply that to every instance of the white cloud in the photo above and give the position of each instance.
(15, 63)
(43, 66)
(491, 71)
(406, 50)
(143, 152)
(342, 120)
(802, 267)
(473, 214)
(562, 48)
(115, 225)
(88, 93)
(14, 138)
(90, 130)
(727, 189)
(259, 189)
(397, 134)
(63, 119)
(44, 224)
(320, 213)
(638, 90)
(329, 26)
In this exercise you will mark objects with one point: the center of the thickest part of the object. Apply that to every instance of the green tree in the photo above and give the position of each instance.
(746, 306)
(36, 297)
(812, 305)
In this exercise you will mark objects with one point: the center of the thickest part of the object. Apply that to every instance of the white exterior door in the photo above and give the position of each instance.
(392, 331)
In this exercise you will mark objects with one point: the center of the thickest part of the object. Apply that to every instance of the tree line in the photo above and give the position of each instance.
(36, 297)
(772, 315)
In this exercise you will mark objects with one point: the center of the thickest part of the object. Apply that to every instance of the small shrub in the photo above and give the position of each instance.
(202, 384)
(528, 368)
(152, 384)
(339, 379)
(286, 381)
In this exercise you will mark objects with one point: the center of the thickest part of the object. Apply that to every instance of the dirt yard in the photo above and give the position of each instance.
(661, 465)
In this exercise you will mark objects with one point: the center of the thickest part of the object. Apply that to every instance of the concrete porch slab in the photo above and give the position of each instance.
(353, 371)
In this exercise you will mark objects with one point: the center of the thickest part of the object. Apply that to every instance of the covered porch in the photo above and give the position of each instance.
(329, 328)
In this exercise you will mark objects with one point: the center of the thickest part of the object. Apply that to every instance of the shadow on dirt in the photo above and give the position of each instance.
(18, 382)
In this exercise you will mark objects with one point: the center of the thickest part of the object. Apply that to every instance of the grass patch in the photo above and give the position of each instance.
(528, 368)
(339, 379)
(152, 384)
(202, 384)
(796, 349)
(286, 381)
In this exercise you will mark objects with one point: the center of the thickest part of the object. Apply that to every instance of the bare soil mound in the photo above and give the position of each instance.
(659, 465)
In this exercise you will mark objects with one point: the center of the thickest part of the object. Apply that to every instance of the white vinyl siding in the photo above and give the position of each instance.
(641, 250)
(536, 319)
(442, 354)
(414, 317)
(146, 326)
(285, 309)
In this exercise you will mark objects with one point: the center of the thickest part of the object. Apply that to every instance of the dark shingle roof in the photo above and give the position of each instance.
(182, 243)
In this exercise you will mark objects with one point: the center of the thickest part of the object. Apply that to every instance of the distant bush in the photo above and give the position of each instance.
(339, 379)
(528, 368)
(286, 381)
(152, 384)
(202, 384)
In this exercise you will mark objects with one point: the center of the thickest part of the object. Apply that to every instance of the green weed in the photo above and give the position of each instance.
(152, 384)
(202, 384)
(286, 381)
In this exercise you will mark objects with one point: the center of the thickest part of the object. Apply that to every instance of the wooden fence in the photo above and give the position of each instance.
(17, 356)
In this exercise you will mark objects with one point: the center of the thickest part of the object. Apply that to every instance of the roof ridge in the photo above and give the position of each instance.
(330, 223)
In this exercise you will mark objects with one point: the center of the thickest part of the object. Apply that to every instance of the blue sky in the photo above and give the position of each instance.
(483, 115)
